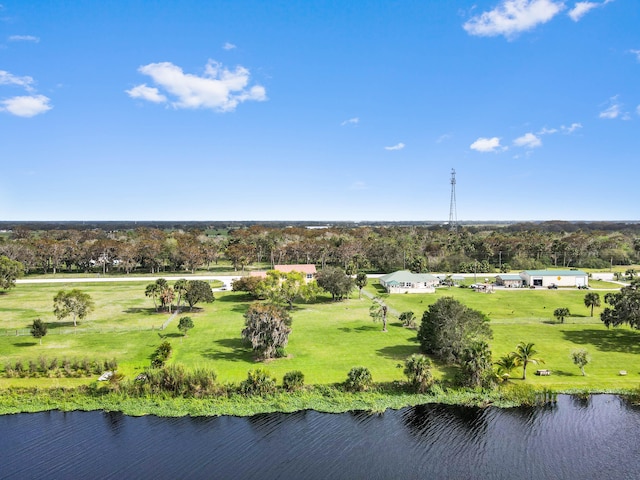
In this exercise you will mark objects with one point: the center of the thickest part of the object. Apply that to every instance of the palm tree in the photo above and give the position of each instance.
(507, 364)
(560, 313)
(592, 299)
(180, 287)
(153, 290)
(524, 355)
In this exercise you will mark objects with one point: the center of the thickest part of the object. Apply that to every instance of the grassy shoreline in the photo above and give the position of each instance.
(324, 399)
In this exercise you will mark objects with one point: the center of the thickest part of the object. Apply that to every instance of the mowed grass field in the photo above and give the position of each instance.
(328, 338)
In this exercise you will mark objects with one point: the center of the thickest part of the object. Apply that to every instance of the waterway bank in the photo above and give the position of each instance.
(325, 399)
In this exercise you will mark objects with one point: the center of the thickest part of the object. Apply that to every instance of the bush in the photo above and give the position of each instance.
(281, 352)
(359, 379)
(258, 382)
(417, 368)
(293, 380)
(161, 355)
(408, 319)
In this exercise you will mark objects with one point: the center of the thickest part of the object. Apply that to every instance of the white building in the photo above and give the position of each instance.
(561, 278)
(404, 281)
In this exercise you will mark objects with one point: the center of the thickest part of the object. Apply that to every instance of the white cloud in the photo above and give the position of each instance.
(512, 17)
(571, 128)
(528, 140)
(147, 93)
(398, 146)
(217, 89)
(7, 78)
(351, 121)
(444, 137)
(228, 46)
(636, 53)
(580, 9)
(24, 38)
(614, 110)
(26, 106)
(486, 145)
(547, 131)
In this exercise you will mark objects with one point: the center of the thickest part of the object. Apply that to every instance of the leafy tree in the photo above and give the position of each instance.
(524, 355)
(361, 282)
(198, 291)
(417, 369)
(283, 288)
(378, 312)
(506, 364)
(625, 306)
(476, 363)
(247, 284)
(359, 379)
(38, 329)
(10, 270)
(335, 281)
(408, 319)
(581, 358)
(185, 324)
(267, 327)
(592, 299)
(561, 313)
(448, 327)
(74, 302)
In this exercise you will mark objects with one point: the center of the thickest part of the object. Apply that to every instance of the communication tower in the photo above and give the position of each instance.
(453, 215)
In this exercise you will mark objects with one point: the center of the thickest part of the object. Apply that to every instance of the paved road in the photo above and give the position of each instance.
(226, 279)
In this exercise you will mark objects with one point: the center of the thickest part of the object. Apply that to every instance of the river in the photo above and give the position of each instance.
(593, 438)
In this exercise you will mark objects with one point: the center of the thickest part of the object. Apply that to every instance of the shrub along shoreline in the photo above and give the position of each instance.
(231, 402)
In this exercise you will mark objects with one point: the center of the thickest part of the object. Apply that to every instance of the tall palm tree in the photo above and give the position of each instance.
(524, 355)
(592, 299)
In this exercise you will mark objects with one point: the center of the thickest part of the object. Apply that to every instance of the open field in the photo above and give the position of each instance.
(327, 340)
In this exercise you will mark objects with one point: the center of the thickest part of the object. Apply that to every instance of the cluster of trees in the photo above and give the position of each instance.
(456, 334)
(419, 248)
(284, 288)
(190, 291)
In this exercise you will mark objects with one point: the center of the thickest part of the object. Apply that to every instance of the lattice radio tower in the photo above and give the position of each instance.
(453, 215)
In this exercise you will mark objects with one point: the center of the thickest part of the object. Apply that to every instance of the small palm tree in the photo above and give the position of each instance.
(560, 313)
(506, 364)
(592, 299)
(524, 355)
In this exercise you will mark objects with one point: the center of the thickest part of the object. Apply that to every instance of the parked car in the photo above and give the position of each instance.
(553, 286)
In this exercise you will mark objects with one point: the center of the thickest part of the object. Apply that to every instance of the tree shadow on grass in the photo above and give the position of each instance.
(363, 328)
(611, 340)
(397, 352)
(170, 335)
(54, 325)
(25, 344)
(235, 350)
(145, 311)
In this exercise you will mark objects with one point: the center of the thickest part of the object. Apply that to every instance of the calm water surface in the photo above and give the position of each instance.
(575, 439)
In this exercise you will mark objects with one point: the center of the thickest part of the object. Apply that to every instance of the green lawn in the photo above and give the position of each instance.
(327, 340)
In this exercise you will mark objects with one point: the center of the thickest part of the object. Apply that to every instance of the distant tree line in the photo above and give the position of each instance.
(481, 249)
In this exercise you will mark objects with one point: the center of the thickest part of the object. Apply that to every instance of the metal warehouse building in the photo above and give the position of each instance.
(561, 278)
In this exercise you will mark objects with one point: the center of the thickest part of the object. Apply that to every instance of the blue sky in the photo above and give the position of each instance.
(319, 110)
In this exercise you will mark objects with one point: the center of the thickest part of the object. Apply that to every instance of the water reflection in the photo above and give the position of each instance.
(578, 438)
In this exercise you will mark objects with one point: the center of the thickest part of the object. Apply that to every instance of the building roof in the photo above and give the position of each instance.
(302, 268)
(509, 276)
(408, 277)
(555, 273)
